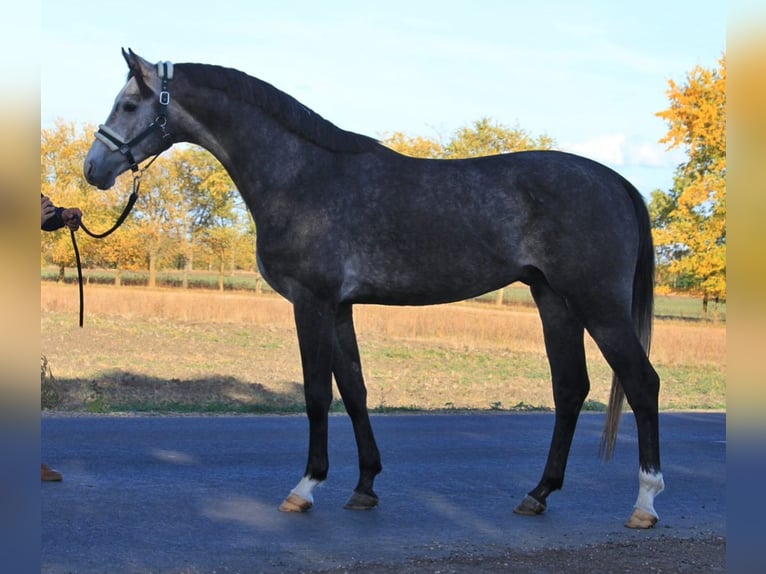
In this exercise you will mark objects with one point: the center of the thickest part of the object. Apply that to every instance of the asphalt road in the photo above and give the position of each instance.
(200, 494)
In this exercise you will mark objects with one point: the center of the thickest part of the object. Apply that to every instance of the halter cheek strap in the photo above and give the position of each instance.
(115, 142)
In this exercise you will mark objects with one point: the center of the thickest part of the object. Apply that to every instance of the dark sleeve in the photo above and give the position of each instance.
(54, 222)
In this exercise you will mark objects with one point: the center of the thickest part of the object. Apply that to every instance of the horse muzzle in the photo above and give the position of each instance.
(96, 173)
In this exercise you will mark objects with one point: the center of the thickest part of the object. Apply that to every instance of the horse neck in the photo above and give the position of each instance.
(258, 153)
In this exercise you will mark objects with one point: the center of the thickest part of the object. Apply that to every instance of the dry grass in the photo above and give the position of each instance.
(235, 348)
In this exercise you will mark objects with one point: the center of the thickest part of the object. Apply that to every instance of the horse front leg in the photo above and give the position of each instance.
(347, 367)
(315, 324)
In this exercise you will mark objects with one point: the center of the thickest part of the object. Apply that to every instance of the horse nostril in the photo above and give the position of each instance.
(88, 169)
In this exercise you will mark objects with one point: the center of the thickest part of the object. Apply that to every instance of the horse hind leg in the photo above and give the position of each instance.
(347, 368)
(564, 344)
(622, 349)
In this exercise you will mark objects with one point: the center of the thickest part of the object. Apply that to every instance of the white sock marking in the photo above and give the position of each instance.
(650, 484)
(305, 488)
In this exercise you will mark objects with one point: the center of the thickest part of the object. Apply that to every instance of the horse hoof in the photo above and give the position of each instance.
(530, 507)
(641, 519)
(295, 503)
(361, 501)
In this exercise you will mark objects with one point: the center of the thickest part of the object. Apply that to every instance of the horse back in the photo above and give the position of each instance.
(459, 228)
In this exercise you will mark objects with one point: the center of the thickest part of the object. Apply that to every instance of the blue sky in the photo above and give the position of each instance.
(591, 74)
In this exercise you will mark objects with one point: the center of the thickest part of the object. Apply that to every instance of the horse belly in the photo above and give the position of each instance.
(423, 279)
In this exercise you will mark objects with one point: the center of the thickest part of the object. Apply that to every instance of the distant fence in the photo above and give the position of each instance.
(678, 307)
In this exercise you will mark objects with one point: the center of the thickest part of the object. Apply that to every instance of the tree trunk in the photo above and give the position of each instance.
(118, 277)
(188, 264)
(499, 300)
(61, 274)
(152, 270)
(704, 305)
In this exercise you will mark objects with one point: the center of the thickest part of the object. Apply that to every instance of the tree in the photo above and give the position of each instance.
(483, 137)
(121, 250)
(415, 146)
(220, 242)
(487, 137)
(63, 149)
(690, 220)
(207, 198)
(156, 214)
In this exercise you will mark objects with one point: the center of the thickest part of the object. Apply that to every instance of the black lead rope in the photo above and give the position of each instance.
(131, 201)
(79, 273)
(123, 216)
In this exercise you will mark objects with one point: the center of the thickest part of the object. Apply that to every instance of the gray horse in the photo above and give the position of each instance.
(342, 220)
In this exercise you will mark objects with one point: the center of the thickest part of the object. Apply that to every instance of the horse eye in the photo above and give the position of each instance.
(129, 107)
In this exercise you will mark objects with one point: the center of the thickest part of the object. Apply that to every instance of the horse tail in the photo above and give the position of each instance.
(642, 310)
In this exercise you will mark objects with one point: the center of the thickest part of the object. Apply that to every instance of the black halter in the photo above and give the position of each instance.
(115, 142)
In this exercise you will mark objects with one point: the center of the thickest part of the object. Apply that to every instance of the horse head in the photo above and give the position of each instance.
(137, 125)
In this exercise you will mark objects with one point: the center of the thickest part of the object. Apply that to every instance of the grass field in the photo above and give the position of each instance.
(516, 295)
(198, 350)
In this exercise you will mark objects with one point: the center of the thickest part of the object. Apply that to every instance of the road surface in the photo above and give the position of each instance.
(194, 494)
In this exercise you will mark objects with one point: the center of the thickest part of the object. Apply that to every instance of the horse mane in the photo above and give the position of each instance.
(284, 108)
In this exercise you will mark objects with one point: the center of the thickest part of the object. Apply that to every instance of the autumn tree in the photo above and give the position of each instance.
(414, 146)
(63, 149)
(121, 250)
(223, 225)
(207, 198)
(57, 181)
(690, 220)
(220, 242)
(155, 215)
(483, 137)
(487, 137)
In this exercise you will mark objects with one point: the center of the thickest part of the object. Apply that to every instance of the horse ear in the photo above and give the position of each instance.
(139, 69)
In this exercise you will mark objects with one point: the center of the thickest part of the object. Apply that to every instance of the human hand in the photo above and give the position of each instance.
(71, 217)
(47, 209)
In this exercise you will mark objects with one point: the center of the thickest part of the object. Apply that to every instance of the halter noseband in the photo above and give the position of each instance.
(115, 142)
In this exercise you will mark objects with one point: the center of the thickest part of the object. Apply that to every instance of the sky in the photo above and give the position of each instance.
(591, 74)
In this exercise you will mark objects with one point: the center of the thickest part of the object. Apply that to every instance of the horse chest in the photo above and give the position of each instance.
(292, 261)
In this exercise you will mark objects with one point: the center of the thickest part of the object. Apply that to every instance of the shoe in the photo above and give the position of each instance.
(49, 474)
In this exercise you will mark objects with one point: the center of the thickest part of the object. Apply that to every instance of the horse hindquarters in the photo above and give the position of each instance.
(620, 323)
(622, 331)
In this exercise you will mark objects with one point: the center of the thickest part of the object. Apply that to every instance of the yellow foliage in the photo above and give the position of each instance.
(694, 231)
(481, 138)
(414, 146)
